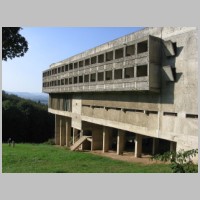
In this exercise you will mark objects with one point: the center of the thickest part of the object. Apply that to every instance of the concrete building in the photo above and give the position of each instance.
(138, 93)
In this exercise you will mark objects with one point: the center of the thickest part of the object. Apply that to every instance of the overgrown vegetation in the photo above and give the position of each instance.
(25, 120)
(181, 161)
(42, 158)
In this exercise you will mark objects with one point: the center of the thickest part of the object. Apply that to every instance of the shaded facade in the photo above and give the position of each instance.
(138, 93)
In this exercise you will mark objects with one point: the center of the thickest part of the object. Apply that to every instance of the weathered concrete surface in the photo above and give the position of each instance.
(170, 114)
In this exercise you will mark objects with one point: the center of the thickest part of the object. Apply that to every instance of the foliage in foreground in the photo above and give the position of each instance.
(181, 161)
(42, 158)
(13, 44)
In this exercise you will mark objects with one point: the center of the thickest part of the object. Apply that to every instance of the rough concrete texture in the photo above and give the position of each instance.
(170, 113)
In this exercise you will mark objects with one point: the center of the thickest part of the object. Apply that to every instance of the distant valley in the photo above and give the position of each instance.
(37, 97)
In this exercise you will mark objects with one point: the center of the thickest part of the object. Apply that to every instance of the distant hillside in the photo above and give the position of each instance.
(25, 120)
(37, 97)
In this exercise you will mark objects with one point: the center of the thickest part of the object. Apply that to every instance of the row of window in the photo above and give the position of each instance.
(101, 76)
(129, 50)
(147, 112)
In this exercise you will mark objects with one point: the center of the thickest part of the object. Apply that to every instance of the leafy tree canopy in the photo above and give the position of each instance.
(13, 44)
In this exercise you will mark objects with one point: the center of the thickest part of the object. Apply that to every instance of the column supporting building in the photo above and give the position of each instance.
(155, 146)
(120, 142)
(57, 129)
(68, 131)
(138, 145)
(62, 131)
(106, 139)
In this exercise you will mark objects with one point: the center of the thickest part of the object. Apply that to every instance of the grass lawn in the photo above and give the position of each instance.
(42, 158)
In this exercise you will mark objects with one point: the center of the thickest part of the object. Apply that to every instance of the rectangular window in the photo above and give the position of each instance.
(70, 66)
(93, 77)
(109, 56)
(118, 74)
(108, 75)
(75, 65)
(80, 79)
(70, 81)
(63, 68)
(119, 53)
(169, 114)
(66, 81)
(100, 76)
(142, 47)
(81, 63)
(59, 69)
(75, 80)
(66, 67)
(101, 58)
(86, 78)
(191, 116)
(94, 60)
(130, 50)
(62, 81)
(58, 82)
(87, 62)
(129, 72)
(141, 70)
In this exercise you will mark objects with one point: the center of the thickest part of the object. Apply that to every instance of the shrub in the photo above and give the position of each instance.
(181, 161)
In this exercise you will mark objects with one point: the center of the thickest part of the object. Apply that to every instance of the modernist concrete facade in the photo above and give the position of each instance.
(138, 93)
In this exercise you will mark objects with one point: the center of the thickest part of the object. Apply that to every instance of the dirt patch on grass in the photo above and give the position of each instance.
(127, 156)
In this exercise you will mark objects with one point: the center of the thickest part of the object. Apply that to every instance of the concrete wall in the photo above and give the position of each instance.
(170, 114)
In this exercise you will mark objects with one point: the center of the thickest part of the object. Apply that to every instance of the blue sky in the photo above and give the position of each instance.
(50, 45)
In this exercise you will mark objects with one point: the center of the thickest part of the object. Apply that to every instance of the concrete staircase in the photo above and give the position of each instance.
(79, 142)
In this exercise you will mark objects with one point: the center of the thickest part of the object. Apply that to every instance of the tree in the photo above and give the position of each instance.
(181, 161)
(13, 44)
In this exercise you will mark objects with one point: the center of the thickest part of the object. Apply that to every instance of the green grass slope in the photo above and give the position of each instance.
(42, 158)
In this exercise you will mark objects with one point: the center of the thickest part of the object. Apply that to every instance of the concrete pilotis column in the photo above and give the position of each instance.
(97, 139)
(106, 137)
(68, 132)
(172, 146)
(138, 145)
(155, 146)
(120, 142)
(57, 129)
(62, 131)
(75, 134)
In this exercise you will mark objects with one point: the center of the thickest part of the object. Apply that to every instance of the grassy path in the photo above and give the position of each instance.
(41, 158)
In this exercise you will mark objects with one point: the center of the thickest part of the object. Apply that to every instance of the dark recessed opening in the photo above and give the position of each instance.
(191, 116)
(58, 82)
(62, 81)
(59, 69)
(109, 56)
(87, 62)
(118, 74)
(108, 75)
(70, 66)
(86, 78)
(130, 50)
(81, 63)
(66, 81)
(141, 70)
(94, 60)
(70, 81)
(142, 47)
(129, 72)
(75, 79)
(66, 67)
(75, 65)
(119, 53)
(63, 68)
(169, 114)
(93, 77)
(101, 58)
(80, 79)
(100, 76)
